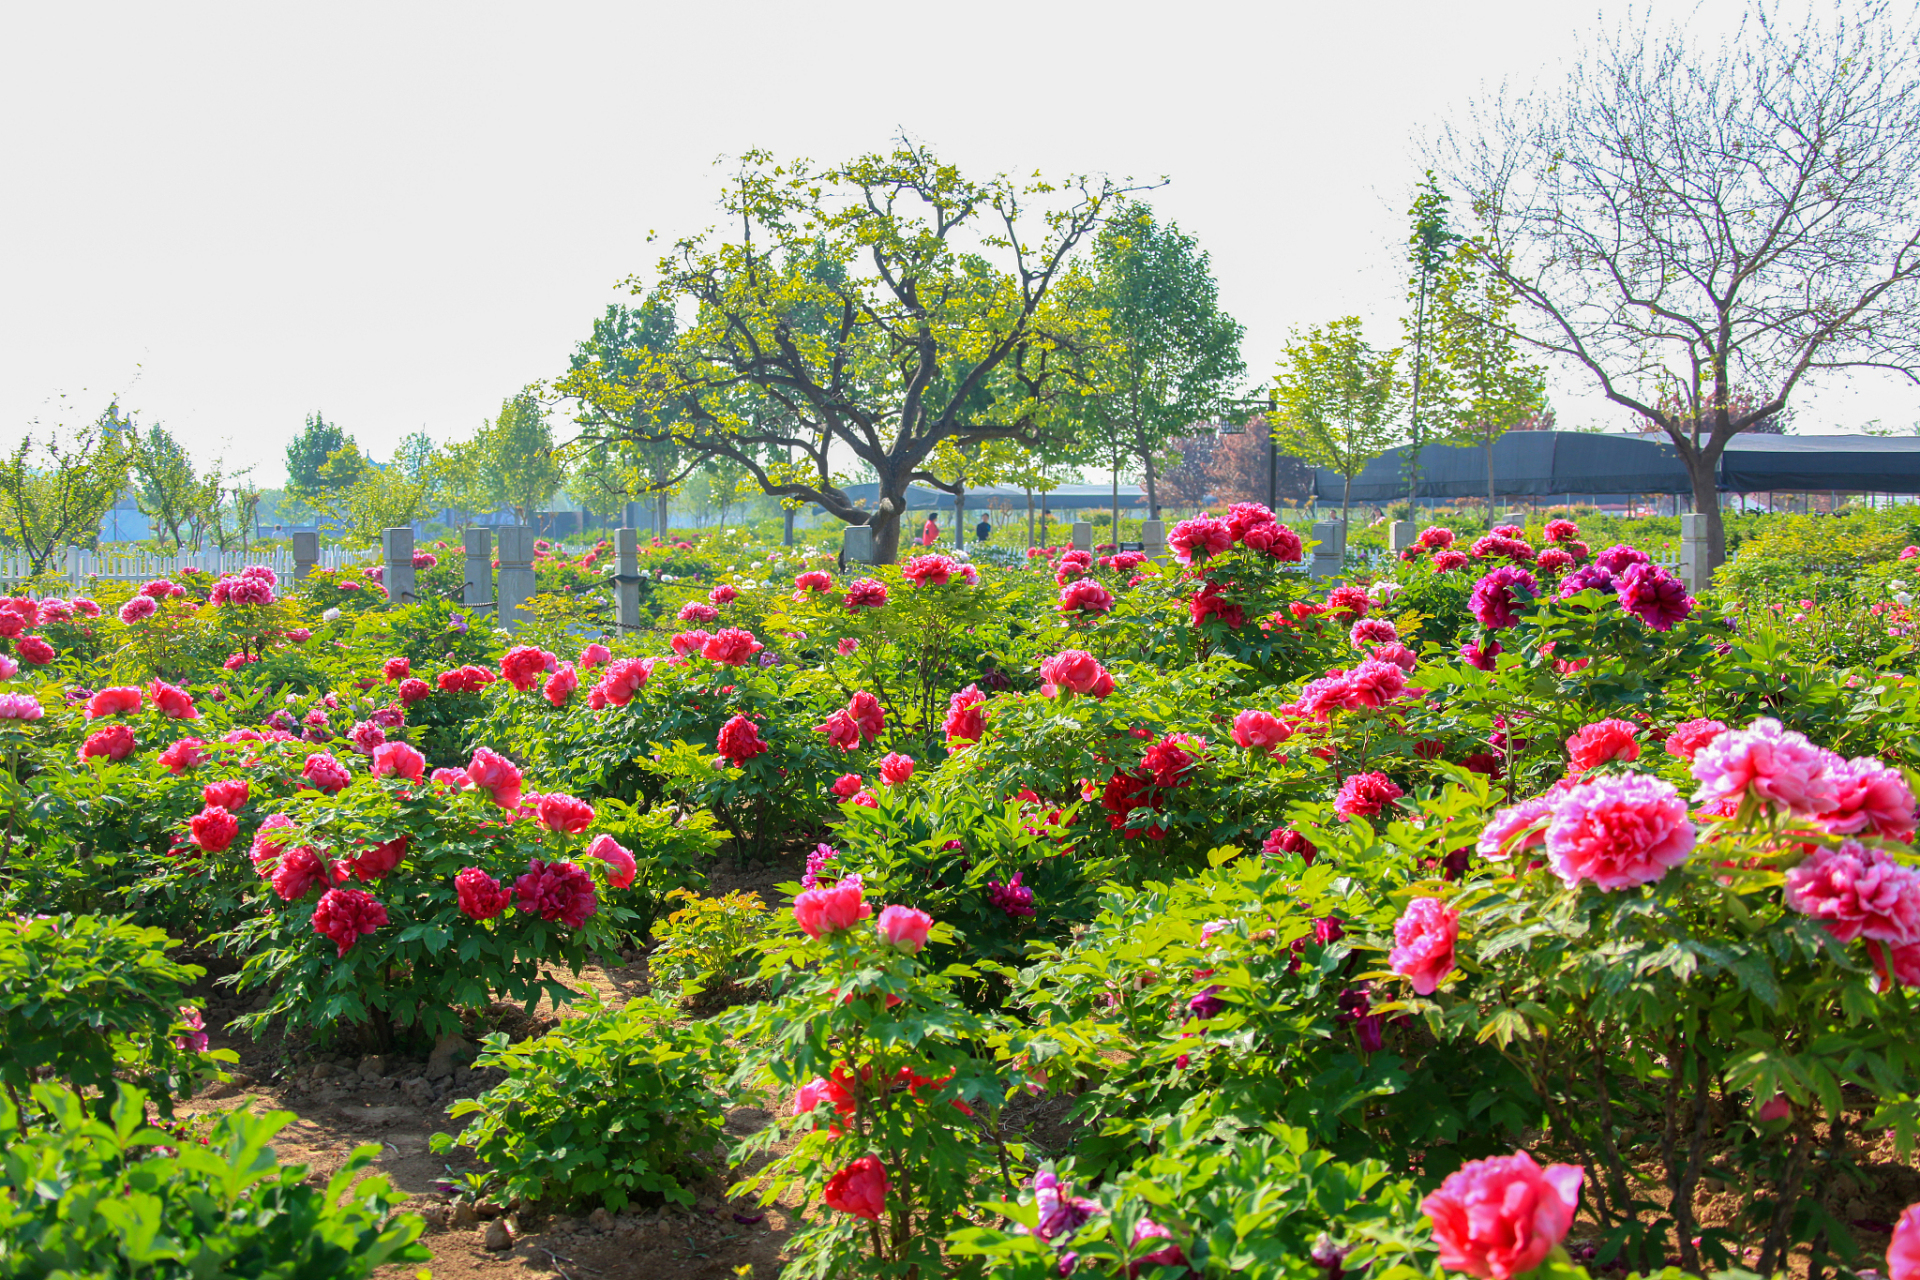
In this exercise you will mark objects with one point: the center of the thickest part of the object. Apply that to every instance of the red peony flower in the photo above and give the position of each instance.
(230, 794)
(413, 691)
(739, 741)
(1424, 938)
(621, 867)
(345, 915)
(114, 743)
(556, 891)
(398, 760)
(895, 768)
(864, 710)
(172, 701)
(468, 679)
(731, 646)
(379, 859)
(833, 909)
(524, 666)
(121, 701)
(395, 669)
(324, 773)
(564, 813)
(1601, 741)
(213, 829)
(177, 758)
(498, 776)
(1364, 795)
(859, 1189)
(1498, 1218)
(866, 594)
(481, 897)
(561, 684)
(966, 722)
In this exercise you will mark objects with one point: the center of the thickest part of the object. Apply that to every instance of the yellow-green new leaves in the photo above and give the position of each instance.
(1338, 399)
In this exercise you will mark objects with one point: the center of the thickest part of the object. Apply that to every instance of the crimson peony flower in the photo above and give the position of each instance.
(1449, 560)
(121, 701)
(810, 1095)
(1856, 891)
(1595, 744)
(1654, 596)
(848, 785)
(595, 655)
(621, 867)
(1376, 683)
(831, 910)
(467, 679)
(1170, 1255)
(1363, 795)
(398, 760)
(524, 666)
(895, 768)
(1498, 1218)
(1435, 538)
(380, 859)
(688, 643)
(556, 891)
(1424, 938)
(1562, 531)
(966, 722)
(841, 731)
(1286, 840)
(924, 571)
(1369, 631)
(731, 646)
(624, 679)
(859, 1189)
(1071, 671)
(213, 828)
(324, 773)
(1209, 603)
(481, 897)
(814, 580)
(723, 594)
(564, 813)
(866, 594)
(396, 669)
(1260, 731)
(413, 691)
(1616, 560)
(1481, 656)
(864, 709)
(1772, 764)
(1198, 540)
(345, 915)
(1243, 517)
(697, 611)
(114, 743)
(493, 773)
(561, 684)
(177, 758)
(230, 794)
(740, 741)
(1618, 832)
(904, 928)
(1351, 600)
(367, 737)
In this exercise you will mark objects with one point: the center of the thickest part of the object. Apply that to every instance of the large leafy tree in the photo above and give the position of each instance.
(1485, 387)
(182, 501)
(1430, 239)
(1172, 357)
(53, 492)
(628, 447)
(510, 461)
(308, 452)
(1338, 400)
(1683, 222)
(866, 311)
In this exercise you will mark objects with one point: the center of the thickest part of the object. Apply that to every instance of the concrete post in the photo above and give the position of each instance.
(1082, 536)
(306, 552)
(1330, 557)
(1400, 536)
(396, 561)
(856, 544)
(516, 575)
(626, 585)
(477, 546)
(1695, 554)
(1153, 536)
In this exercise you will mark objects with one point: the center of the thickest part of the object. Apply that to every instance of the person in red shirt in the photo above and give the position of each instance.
(931, 533)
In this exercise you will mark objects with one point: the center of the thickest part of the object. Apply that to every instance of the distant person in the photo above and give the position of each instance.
(930, 534)
(983, 530)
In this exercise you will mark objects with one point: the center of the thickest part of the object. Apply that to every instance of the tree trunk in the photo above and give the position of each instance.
(786, 539)
(1345, 494)
(1153, 500)
(1029, 519)
(1116, 509)
(1706, 501)
(960, 517)
(660, 526)
(1490, 501)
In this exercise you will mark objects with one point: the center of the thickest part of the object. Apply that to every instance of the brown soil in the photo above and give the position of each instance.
(343, 1099)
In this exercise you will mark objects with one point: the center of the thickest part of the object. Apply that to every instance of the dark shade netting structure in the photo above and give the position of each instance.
(1549, 463)
(1067, 497)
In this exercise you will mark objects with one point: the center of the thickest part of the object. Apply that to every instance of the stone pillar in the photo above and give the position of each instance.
(478, 548)
(1330, 557)
(1400, 535)
(626, 583)
(306, 552)
(856, 544)
(396, 562)
(516, 575)
(1082, 536)
(1695, 554)
(1153, 536)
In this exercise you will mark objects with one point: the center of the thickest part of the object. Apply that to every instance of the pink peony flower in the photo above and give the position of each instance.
(595, 655)
(1595, 744)
(1169, 1255)
(859, 1189)
(1871, 797)
(481, 897)
(1687, 738)
(1363, 795)
(378, 860)
(1856, 891)
(1071, 671)
(847, 646)
(498, 776)
(731, 647)
(1369, 631)
(624, 678)
(813, 1092)
(113, 743)
(866, 594)
(1424, 937)
(697, 611)
(121, 701)
(831, 910)
(1481, 656)
(172, 701)
(723, 594)
(1260, 731)
(1085, 597)
(343, 916)
(181, 756)
(924, 571)
(1903, 1254)
(1196, 541)
(867, 715)
(561, 685)
(1654, 596)
(556, 891)
(1399, 655)
(966, 722)
(1498, 1218)
(814, 580)
(1376, 684)
(621, 866)
(413, 691)
(895, 768)
(848, 785)
(524, 666)
(1515, 830)
(230, 794)
(1618, 832)
(137, 609)
(1496, 599)
(34, 650)
(841, 731)
(740, 741)
(904, 928)
(565, 814)
(1774, 765)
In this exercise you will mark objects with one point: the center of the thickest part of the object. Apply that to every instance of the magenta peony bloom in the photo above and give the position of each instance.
(866, 594)
(865, 711)
(1856, 891)
(137, 609)
(1085, 597)
(595, 655)
(525, 665)
(841, 731)
(556, 891)
(1369, 631)
(848, 785)
(859, 1189)
(1774, 765)
(172, 701)
(496, 775)
(697, 611)
(1595, 744)
(1687, 738)
(324, 773)
(183, 755)
(1495, 602)
(1260, 731)
(895, 768)
(230, 794)
(561, 685)
(739, 741)
(904, 928)
(1654, 596)
(1481, 656)
(121, 701)
(1618, 832)
(1196, 541)
(343, 916)
(966, 722)
(1616, 560)
(1364, 795)
(1424, 937)
(810, 1095)
(730, 646)
(1871, 797)
(831, 910)
(1071, 671)
(621, 867)
(213, 829)
(564, 813)
(1498, 1218)
(481, 897)
(1515, 830)
(1398, 654)
(814, 580)
(1286, 840)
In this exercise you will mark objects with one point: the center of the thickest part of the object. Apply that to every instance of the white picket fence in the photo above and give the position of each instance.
(79, 566)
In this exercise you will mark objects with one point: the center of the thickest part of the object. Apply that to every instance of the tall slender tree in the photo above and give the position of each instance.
(1429, 244)
(1338, 401)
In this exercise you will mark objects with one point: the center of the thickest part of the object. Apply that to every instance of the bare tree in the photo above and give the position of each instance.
(1684, 222)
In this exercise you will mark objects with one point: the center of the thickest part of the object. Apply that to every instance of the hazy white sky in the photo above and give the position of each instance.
(230, 215)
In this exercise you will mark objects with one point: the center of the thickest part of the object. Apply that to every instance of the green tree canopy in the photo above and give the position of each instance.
(308, 452)
(1338, 400)
(54, 492)
(510, 461)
